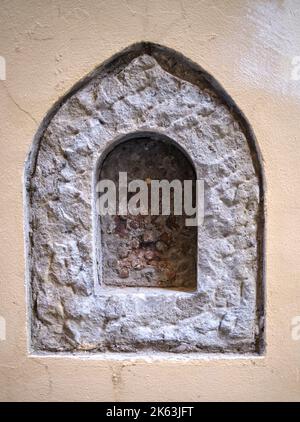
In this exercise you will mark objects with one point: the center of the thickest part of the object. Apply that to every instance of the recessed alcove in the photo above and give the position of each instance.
(105, 284)
(146, 250)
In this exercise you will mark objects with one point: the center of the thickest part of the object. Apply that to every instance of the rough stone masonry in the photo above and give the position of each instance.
(150, 91)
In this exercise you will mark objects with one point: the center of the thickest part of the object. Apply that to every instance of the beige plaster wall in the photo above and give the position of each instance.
(248, 45)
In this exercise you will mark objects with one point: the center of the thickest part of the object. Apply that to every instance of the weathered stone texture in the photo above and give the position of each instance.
(70, 312)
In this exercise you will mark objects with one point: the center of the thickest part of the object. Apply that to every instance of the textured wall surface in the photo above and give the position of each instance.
(248, 46)
(69, 311)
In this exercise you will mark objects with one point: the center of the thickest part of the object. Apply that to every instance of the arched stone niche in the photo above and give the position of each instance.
(146, 90)
(146, 250)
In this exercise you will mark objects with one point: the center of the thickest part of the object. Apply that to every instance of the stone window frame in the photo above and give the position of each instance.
(195, 74)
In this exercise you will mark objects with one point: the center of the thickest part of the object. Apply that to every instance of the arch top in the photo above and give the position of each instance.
(173, 62)
(142, 134)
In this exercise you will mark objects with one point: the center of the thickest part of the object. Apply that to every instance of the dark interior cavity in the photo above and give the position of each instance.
(148, 250)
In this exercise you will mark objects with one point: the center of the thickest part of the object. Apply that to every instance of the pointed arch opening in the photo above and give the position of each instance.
(146, 88)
